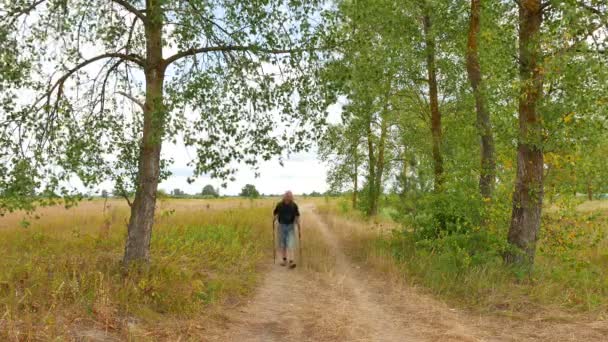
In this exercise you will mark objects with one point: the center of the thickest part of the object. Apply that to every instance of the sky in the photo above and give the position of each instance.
(301, 172)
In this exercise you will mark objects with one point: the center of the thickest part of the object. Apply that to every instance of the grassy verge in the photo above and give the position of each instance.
(570, 274)
(60, 277)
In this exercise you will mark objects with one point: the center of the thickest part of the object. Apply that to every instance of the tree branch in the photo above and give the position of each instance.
(131, 58)
(132, 98)
(129, 7)
(124, 194)
(130, 37)
(226, 48)
(104, 84)
(16, 14)
(576, 43)
(518, 2)
(198, 12)
(592, 9)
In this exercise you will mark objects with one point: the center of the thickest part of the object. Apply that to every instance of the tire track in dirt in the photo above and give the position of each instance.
(390, 317)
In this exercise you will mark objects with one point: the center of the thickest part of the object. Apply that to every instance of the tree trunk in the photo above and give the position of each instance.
(404, 179)
(355, 190)
(355, 175)
(589, 192)
(380, 162)
(434, 100)
(141, 221)
(488, 163)
(373, 207)
(528, 195)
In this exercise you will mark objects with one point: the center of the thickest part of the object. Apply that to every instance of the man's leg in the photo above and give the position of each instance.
(291, 243)
(283, 244)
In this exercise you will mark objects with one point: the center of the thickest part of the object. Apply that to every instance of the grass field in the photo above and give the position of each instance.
(61, 279)
(60, 276)
(570, 275)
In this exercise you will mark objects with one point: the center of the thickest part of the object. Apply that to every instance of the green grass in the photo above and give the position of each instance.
(570, 273)
(65, 268)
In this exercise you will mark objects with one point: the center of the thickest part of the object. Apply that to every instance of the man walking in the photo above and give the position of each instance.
(287, 213)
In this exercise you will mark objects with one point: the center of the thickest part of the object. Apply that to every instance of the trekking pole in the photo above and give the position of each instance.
(300, 240)
(274, 244)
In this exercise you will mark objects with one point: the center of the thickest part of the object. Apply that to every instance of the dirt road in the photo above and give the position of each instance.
(337, 301)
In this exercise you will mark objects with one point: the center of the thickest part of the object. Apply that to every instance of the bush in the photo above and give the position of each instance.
(440, 215)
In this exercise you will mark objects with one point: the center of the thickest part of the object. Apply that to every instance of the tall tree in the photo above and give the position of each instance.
(554, 86)
(398, 71)
(211, 72)
(487, 176)
(430, 51)
(528, 195)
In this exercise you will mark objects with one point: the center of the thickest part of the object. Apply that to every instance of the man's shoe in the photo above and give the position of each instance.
(292, 264)
(283, 263)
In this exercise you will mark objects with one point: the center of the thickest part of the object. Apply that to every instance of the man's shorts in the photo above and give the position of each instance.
(287, 235)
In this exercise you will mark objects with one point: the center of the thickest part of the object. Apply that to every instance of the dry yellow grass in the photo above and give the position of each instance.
(60, 276)
(590, 206)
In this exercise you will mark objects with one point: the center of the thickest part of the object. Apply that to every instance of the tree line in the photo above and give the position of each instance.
(466, 108)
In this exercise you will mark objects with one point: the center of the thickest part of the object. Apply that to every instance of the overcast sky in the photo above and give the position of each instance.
(301, 172)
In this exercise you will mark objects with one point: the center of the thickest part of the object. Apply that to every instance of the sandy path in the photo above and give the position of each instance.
(344, 303)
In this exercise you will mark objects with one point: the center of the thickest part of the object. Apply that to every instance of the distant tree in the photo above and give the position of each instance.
(209, 190)
(177, 192)
(104, 193)
(161, 194)
(250, 191)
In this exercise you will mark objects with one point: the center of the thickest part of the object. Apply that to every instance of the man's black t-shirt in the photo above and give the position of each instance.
(287, 212)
